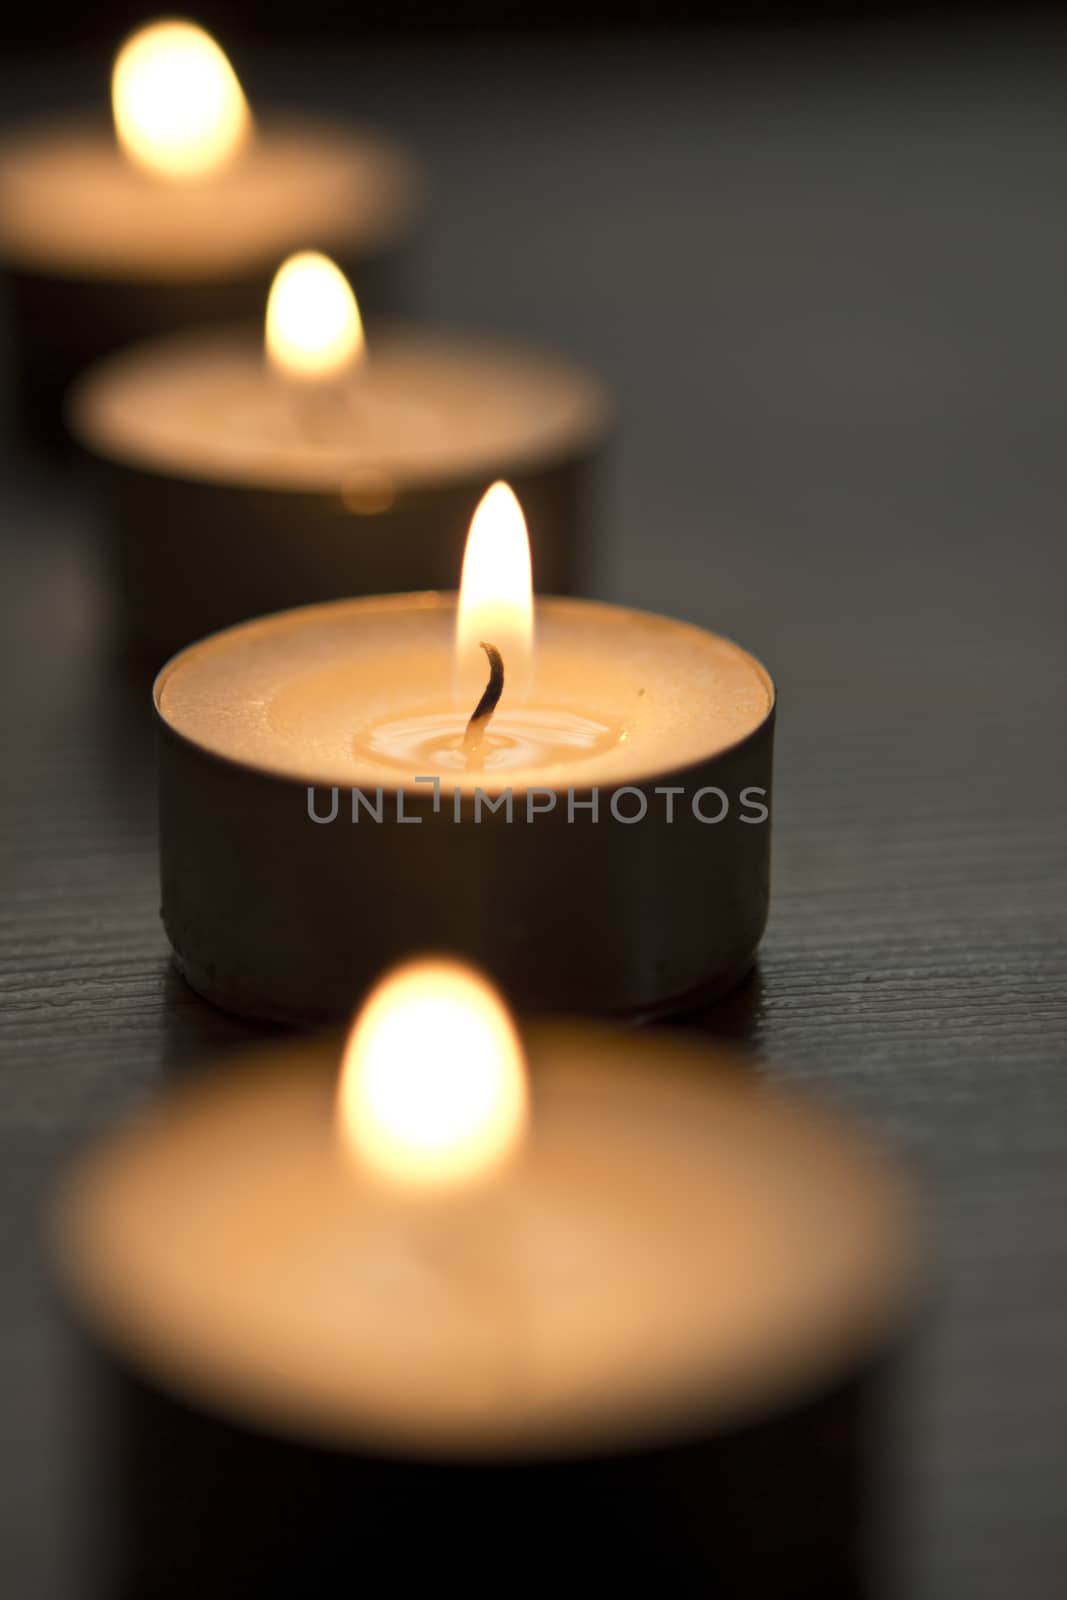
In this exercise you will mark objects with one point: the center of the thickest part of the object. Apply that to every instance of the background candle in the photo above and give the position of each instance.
(236, 482)
(178, 218)
(636, 1344)
(302, 842)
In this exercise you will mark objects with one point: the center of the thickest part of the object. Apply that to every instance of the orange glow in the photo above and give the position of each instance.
(178, 107)
(314, 331)
(433, 1085)
(495, 594)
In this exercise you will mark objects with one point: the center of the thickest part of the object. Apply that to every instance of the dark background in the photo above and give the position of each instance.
(236, 23)
(820, 255)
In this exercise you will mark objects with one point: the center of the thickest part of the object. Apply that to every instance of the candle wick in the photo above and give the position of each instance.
(490, 699)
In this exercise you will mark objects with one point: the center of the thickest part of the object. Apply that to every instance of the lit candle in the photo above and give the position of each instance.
(242, 475)
(178, 213)
(598, 840)
(611, 1322)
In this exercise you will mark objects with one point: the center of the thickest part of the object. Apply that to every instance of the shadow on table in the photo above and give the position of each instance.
(735, 1019)
(198, 1035)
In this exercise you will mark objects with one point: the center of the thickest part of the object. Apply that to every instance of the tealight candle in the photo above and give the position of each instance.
(179, 213)
(242, 475)
(616, 1322)
(342, 784)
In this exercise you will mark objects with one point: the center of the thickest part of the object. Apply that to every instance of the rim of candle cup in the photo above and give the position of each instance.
(433, 600)
(878, 1303)
(400, 199)
(591, 432)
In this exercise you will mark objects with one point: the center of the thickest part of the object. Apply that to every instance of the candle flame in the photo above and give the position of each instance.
(314, 332)
(495, 595)
(433, 1085)
(178, 107)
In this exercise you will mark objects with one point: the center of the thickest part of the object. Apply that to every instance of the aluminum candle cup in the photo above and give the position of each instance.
(229, 492)
(607, 851)
(642, 1350)
(99, 248)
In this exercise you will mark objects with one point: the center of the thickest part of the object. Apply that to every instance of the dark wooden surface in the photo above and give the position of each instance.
(826, 276)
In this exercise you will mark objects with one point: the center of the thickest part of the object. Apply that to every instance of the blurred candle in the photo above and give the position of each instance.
(244, 474)
(613, 1290)
(178, 215)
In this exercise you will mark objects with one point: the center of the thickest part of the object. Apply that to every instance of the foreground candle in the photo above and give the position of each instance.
(631, 1308)
(179, 214)
(242, 475)
(587, 819)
